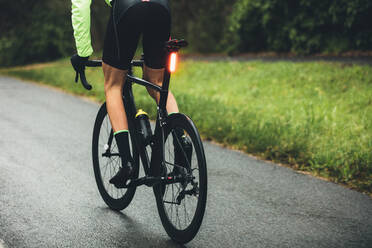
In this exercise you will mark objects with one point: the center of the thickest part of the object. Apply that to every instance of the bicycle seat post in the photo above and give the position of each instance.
(164, 88)
(172, 46)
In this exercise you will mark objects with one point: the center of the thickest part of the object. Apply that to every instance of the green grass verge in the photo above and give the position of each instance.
(313, 116)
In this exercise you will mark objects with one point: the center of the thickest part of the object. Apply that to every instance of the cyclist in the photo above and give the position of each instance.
(129, 19)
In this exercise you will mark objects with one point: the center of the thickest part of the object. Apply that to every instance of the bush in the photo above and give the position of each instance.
(42, 34)
(300, 26)
(201, 22)
(37, 31)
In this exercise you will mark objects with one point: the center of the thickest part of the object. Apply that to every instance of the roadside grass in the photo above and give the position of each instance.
(313, 116)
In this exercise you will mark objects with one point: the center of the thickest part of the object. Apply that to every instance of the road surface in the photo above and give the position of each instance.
(48, 196)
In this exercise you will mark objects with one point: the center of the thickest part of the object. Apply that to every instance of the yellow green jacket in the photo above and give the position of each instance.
(80, 17)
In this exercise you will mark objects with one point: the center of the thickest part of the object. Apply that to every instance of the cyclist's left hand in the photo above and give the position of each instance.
(78, 62)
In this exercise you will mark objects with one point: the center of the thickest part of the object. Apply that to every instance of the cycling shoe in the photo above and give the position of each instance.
(122, 176)
(179, 154)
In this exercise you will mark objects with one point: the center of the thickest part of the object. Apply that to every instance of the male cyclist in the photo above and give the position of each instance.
(129, 19)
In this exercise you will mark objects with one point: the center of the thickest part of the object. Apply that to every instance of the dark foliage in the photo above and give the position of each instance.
(33, 31)
(300, 26)
(37, 30)
(201, 22)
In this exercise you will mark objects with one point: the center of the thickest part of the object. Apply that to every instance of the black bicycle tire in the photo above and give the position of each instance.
(125, 200)
(184, 236)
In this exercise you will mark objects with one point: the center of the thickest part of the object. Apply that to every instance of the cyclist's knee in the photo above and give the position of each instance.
(113, 77)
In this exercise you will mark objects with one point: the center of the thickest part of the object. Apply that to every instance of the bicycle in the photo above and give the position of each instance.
(182, 193)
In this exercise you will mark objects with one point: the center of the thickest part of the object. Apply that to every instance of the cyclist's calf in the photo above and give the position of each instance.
(114, 81)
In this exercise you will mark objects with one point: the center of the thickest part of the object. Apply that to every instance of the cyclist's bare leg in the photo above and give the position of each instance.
(156, 76)
(114, 81)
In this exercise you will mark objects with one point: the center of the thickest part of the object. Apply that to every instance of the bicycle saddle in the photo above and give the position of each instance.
(175, 45)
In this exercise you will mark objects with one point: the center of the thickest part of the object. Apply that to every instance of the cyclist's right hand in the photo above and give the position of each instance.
(79, 66)
(78, 62)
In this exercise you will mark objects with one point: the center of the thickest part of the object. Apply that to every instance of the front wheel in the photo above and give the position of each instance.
(107, 162)
(182, 205)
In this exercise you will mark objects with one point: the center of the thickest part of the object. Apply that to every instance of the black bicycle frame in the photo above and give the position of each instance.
(156, 144)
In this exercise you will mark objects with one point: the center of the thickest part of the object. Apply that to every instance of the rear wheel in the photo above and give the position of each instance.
(182, 205)
(106, 163)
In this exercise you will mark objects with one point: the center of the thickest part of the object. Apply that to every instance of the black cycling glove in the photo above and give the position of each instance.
(78, 62)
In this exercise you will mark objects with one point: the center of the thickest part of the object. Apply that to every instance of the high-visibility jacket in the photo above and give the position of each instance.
(80, 17)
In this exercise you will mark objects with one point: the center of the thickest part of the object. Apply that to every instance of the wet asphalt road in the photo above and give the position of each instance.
(48, 196)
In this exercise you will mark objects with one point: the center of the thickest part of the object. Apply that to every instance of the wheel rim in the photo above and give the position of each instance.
(181, 213)
(108, 165)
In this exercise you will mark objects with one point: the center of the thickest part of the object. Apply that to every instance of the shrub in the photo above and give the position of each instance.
(201, 22)
(300, 26)
(36, 31)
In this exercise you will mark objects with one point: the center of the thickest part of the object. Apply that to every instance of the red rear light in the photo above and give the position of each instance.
(172, 62)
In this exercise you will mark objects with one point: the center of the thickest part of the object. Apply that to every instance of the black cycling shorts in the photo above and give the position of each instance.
(150, 19)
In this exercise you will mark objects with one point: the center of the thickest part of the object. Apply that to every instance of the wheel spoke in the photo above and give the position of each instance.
(108, 165)
(179, 201)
